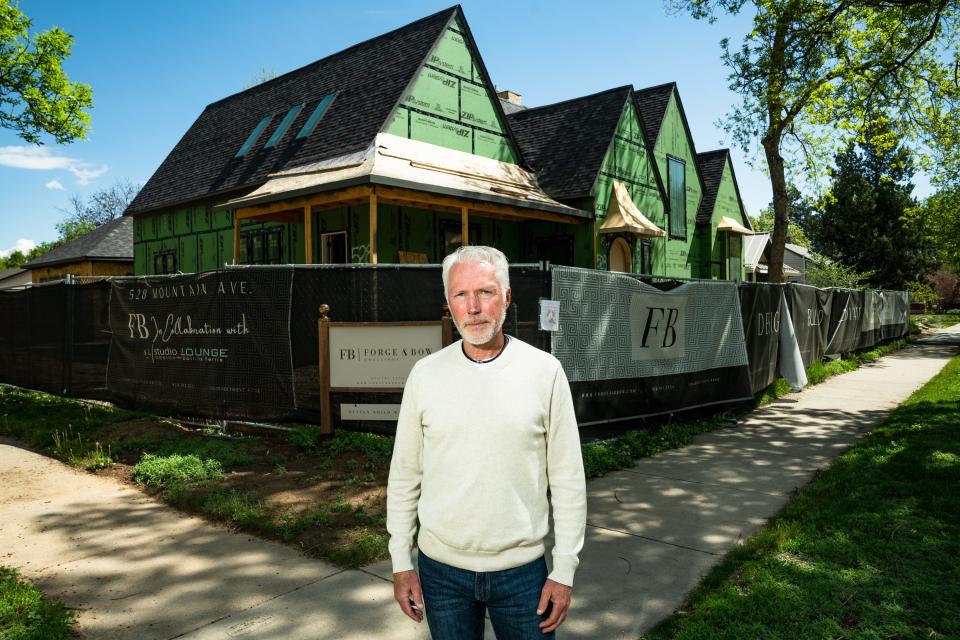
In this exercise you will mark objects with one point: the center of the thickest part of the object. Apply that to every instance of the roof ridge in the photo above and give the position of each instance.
(432, 16)
(671, 84)
(625, 87)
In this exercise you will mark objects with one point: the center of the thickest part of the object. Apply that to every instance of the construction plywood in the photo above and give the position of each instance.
(222, 219)
(440, 132)
(436, 93)
(493, 145)
(477, 108)
(140, 258)
(207, 252)
(452, 55)
(400, 123)
(201, 219)
(181, 220)
(187, 254)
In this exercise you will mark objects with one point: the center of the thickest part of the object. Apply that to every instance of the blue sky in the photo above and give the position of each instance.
(154, 66)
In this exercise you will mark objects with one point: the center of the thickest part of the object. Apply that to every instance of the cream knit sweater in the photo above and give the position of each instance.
(478, 447)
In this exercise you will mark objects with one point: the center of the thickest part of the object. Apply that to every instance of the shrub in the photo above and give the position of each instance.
(307, 436)
(154, 470)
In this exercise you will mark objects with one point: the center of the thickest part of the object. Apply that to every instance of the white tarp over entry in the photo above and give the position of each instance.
(624, 216)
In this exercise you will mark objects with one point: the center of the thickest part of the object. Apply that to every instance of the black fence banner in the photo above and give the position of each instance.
(846, 320)
(213, 344)
(895, 314)
(631, 350)
(760, 310)
(810, 312)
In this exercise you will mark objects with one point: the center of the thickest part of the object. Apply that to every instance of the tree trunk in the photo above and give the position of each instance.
(778, 180)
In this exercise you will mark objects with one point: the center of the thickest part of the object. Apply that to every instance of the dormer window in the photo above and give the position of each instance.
(314, 118)
(252, 138)
(283, 126)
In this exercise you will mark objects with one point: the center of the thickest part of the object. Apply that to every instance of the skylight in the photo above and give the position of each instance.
(257, 130)
(284, 124)
(316, 115)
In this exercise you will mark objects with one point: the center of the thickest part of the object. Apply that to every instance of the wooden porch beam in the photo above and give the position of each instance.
(373, 225)
(464, 227)
(328, 198)
(308, 234)
(236, 239)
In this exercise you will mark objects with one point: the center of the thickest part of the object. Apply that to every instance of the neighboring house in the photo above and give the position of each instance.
(798, 258)
(398, 149)
(14, 277)
(105, 251)
(756, 256)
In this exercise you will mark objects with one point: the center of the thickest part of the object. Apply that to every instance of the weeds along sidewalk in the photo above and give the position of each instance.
(867, 550)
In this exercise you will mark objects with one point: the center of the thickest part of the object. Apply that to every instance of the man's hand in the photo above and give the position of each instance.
(406, 589)
(557, 595)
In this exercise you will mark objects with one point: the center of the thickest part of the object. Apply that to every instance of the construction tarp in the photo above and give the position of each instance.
(218, 343)
(631, 350)
(810, 310)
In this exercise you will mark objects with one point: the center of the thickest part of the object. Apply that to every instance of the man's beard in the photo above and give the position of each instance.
(487, 335)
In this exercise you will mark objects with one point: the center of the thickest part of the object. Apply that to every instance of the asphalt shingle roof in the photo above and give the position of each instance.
(565, 143)
(369, 79)
(11, 272)
(110, 241)
(711, 169)
(652, 104)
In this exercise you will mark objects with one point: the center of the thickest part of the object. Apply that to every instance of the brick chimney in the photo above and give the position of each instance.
(509, 96)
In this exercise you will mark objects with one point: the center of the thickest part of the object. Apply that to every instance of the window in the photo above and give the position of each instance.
(646, 257)
(261, 246)
(333, 247)
(677, 177)
(316, 115)
(555, 250)
(257, 130)
(451, 236)
(165, 261)
(283, 126)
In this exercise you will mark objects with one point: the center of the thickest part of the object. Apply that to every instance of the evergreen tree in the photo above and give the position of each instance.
(869, 220)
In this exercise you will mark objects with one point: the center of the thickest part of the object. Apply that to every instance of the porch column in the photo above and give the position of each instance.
(236, 237)
(373, 225)
(464, 227)
(308, 234)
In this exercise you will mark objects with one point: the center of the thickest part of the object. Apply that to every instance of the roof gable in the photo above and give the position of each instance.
(451, 101)
(367, 81)
(652, 104)
(713, 168)
(566, 142)
(110, 241)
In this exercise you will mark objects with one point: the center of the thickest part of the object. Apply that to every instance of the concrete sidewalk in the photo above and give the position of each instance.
(135, 568)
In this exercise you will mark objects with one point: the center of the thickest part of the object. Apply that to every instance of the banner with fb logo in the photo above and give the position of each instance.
(632, 350)
(215, 343)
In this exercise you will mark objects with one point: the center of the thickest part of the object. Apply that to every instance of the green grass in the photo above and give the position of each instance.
(74, 450)
(34, 417)
(155, 470)
(937, 319)
(867, 550)
(25, 615)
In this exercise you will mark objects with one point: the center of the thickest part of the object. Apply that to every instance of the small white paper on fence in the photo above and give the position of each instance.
(550, 315)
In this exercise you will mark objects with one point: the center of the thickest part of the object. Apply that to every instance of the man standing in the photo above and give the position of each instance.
(486, 429)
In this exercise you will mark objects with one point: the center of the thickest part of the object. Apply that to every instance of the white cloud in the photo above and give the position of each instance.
(40, 158)
(55, 185)
(23, 245)
(33, 158)
(86, 172)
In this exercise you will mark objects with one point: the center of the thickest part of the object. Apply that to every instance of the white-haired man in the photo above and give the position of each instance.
(486, 428)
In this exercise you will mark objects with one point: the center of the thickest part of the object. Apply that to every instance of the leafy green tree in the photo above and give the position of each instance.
(869, 220)
(942, 211)
(801, 211)
(36, 97)
(18, 258)
(813, 74)
(824, 273)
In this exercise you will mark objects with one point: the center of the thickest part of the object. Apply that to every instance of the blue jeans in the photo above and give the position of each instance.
(455, 601)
